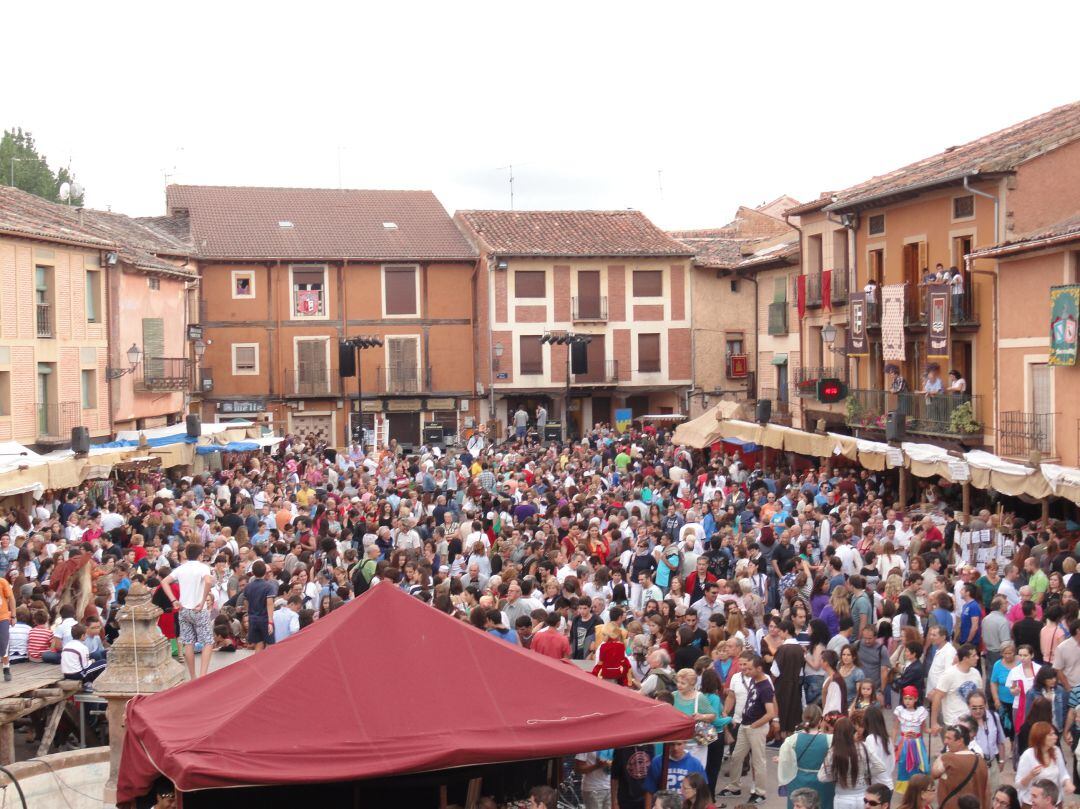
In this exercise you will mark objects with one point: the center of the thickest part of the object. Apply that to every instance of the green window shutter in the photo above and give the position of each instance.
(780, 289)
(153, 334)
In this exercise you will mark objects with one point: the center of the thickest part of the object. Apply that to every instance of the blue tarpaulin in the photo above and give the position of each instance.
(178, 438)
(232, 446)
(745, 446)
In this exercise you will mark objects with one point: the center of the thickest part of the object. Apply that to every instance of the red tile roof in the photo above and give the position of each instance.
(1067, 230)
(232, 222)
(998, 152)
(139, 242)
(734, 244)
(571, 233)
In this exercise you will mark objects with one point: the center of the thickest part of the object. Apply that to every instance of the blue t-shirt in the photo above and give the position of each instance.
(676, 772)
(998, 677)
(968, 613)
(944, 619)
(508, 635)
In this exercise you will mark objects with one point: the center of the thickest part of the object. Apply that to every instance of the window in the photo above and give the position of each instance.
(875, 225)
(43, 298)
(735, 344)
(399, 285)
(963, 207)
(311, 367)
(530, 284)
(403, 365)
(243, 283)
(780, 285)
(153, 282)
(813, 254)
(648, 350)
(532, 355)
(5, 393)
(648, 283)
(93, 296)
(153, 344)
(89, 389)
(309, 291)
(245, 359)
(839, 251)
(877, 265)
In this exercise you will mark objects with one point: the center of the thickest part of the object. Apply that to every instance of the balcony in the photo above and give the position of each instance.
(948, 415)
(586, 309)
(813, 290)
(778, 325)
(164, 374)
(55, 420)
(311, 381)
(962, 313)
(605, 373)
(806, 379)
(1022, 434)
(781, 408)
(839, 289)
(44, 320)
(403, 379)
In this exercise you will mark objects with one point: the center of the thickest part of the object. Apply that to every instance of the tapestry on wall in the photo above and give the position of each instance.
(857, 327)
(1064, 312)
(937, 333)
(892, 322)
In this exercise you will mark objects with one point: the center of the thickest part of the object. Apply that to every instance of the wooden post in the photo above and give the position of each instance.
(965, 499)
(664, 766)
(7, 742)
(1045, 518)
(903, 487)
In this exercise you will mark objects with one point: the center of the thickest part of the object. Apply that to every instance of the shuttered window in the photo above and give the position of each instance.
(532, 355)
(153, 340)
(403, 374)
(400, 290)
(648, 348)
(245, 359)
(780, 283)
(648, 283)
(89, 389)
(311, 365)
(529, 284)
(309, 292)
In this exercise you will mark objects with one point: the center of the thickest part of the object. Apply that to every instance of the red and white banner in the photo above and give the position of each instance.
(892, 322)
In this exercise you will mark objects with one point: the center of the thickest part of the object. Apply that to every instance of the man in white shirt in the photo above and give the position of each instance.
(953, 687)
(944, 656)
(196, 625)
(849, 558)
(286, 618)
(1008, 587)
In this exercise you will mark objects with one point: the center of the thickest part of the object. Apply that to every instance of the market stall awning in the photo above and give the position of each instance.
(241, 725)
(700, 432)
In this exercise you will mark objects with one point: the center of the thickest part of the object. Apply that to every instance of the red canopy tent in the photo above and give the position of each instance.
(356, 695)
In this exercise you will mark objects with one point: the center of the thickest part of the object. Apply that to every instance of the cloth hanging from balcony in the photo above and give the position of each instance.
(800, 294)
(892, 323)
(826, 289)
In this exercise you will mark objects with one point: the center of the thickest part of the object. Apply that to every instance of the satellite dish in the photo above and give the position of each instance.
(65, 191)
(76, 190)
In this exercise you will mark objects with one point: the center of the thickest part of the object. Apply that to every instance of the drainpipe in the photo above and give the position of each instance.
(994, 281)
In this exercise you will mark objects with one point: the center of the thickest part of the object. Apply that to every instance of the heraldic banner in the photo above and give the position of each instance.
(1064, 311)
(892, 322)
(857, 329)
(937, 335)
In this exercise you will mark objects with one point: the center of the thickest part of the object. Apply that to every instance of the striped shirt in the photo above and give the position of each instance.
(39, 641)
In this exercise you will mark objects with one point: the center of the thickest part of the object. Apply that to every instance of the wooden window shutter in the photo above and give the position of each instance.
(780, 289)
(649, 352)
(529, 284)
(648, 283)
(924, 262)
(532, 355)
(153, 334)
(400, 291)
(245, 358)
(308, 279)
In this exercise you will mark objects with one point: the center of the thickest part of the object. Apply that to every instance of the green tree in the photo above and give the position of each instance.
(20, 161)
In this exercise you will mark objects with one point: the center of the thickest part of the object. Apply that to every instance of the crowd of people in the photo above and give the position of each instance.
(810, 626)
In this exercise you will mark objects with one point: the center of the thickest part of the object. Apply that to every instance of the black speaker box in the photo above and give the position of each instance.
(80, 440)
(346, 360)
(194, 425)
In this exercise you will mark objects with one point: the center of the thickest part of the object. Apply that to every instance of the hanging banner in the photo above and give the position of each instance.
(800, 295)
(892, 322)
(857, 328)
(308, 302)
(826, 289)
(623, 418)
(937, 334)
(1064, 311)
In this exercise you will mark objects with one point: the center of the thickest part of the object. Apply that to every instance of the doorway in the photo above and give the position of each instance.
(588, 282)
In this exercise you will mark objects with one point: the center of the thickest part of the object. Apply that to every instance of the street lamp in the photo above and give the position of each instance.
(200, 350)
(134, 354)
(828, 333)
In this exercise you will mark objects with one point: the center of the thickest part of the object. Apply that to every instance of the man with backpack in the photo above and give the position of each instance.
(661, 676)
(364, 572)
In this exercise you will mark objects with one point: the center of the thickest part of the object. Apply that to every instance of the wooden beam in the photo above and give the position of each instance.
(50, 729)
(7, 743)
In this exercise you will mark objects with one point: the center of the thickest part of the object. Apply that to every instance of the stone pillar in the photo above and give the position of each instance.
(140, 662)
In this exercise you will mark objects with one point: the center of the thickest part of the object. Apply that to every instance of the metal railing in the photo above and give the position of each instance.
(806, 378)
(164, 373)
(839, 287)
(598, 373)
(961, 307)
(954, 415)
(1020, 434)
(589, 308)
(55, 420)
(311, 381)
(403, 378)
(813, 289)
(44, 320)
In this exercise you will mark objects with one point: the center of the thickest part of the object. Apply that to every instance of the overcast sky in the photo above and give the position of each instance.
(684, 111)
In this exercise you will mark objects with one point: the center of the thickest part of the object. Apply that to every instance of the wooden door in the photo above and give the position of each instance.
(589, 294)
(595, 353)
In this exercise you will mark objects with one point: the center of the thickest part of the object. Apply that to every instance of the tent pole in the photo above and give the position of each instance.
(664, 766)
(1045, 518)
(903, 487)
(965, 499)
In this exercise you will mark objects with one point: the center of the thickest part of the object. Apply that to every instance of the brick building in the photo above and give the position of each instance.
(288, 273)
(81, 288)
(610, 275)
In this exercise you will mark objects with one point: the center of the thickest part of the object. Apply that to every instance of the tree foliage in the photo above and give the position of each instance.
(19, 159)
